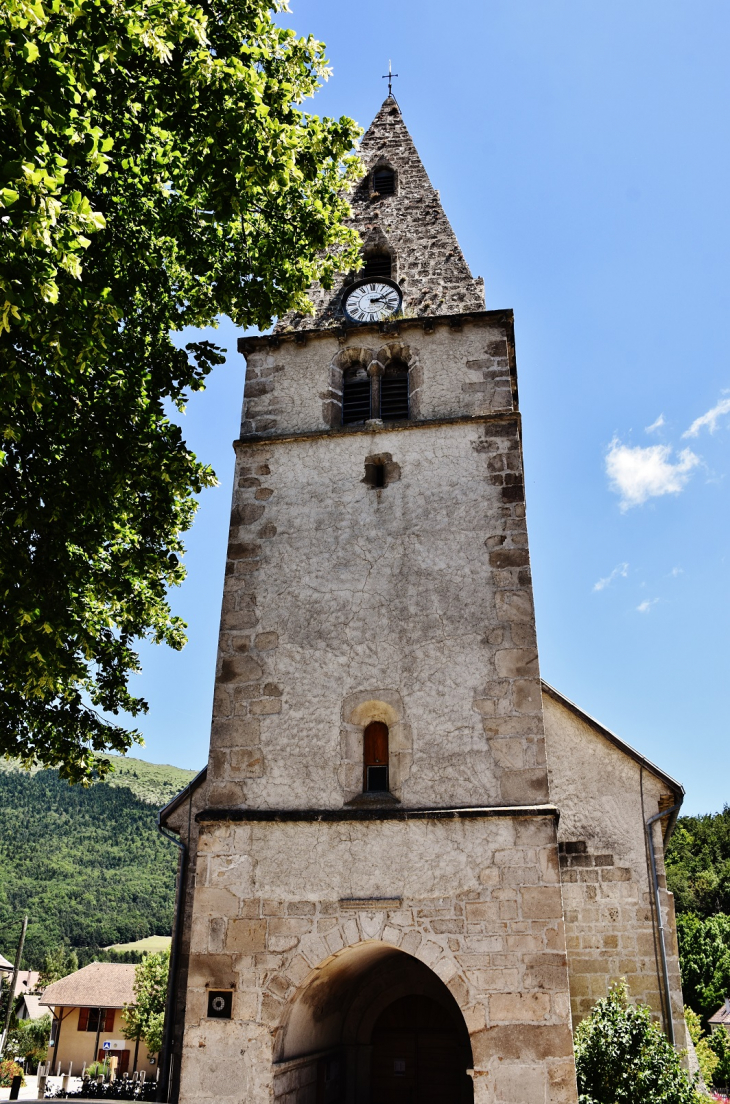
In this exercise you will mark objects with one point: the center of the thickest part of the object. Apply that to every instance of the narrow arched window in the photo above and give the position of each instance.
(355, 395)
(394, 391)
(384, 181)
(377, 264)
(375, 758)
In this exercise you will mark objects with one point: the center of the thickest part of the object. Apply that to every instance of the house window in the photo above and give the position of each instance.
(355, 395)
(89, 1019)
(377, 264)
(375, 758)
(394, 392)
(384, 181)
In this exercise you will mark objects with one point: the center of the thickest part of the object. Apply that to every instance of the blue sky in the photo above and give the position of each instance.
(582, 155)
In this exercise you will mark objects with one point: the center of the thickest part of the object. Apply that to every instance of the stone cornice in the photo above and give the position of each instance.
(388, 812)
(384, 427)
(344, 330)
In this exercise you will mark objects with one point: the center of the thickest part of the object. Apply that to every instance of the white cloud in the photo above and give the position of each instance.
(622, 569)
(641, 473)
(709, 419)
(646, 605)
(655, 425)
(676, 571)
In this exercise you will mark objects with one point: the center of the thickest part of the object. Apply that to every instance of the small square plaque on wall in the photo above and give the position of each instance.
(220, 1004)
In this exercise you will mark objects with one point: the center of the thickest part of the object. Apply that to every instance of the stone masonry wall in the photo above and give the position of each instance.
(410, 225)
(297, 388)
(344, 603)
(604, 797)
(479, 904)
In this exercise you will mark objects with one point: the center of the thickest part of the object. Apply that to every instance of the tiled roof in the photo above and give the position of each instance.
(722, 1016)
(98, 985)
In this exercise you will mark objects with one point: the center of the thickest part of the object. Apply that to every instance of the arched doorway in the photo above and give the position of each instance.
(373, 1025)
(418, 1054)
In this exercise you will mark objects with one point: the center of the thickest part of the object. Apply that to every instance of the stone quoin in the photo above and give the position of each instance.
(409, 866)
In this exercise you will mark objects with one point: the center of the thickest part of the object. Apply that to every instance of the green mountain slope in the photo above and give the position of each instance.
(156, 783)
(88, 865)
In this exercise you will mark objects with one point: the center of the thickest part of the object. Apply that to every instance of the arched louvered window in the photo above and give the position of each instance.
(377, 264)
(394, 392)
(384, 181)
(355, 395)
(375, 758)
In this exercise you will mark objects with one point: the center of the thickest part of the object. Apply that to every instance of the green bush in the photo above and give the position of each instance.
(9, 1070)
(622, 1057)
(706, 1057)
(719, 1043)
(29, 1040)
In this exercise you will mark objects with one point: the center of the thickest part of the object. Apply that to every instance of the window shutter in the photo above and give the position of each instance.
(356, 397)
(83, 1019)
(375, 757)
(377, 264)
(109, 1020)
(384, 181)
(394, 392)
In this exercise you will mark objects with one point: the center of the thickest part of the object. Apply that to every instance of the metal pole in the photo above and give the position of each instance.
(164, 1079)
(98, 1033)
(13, 983)
(669, 1022)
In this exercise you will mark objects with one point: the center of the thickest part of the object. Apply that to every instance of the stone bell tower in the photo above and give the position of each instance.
(377, 913)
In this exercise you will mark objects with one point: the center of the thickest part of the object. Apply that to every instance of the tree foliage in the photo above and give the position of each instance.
(87, 864)
(145, 1019)
(157, 172)
(58, 963)
(698, 863)
(719, 1043)
(29, 1040)
(622, 1057)
(704, 951)
(706, 1057)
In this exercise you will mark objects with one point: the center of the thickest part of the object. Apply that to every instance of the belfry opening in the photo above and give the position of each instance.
(373, 1025)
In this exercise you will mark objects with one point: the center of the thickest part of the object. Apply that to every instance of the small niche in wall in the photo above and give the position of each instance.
(380, 470)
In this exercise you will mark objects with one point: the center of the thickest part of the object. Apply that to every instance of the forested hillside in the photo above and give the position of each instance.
(698, 873)
(88, 865)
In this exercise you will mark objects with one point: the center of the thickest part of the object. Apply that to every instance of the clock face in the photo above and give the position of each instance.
(372, 300)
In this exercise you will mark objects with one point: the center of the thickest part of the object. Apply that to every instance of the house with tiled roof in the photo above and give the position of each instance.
(721, 1018)
(88, 1020)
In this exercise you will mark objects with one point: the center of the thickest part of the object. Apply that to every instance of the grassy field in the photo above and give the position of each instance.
(153, 944)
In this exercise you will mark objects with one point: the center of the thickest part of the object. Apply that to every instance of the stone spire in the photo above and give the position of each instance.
(411, 226)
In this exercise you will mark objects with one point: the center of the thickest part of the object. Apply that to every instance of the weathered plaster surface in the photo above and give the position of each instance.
(604, 797)
(297, 388)
(479, 904)
(419, 592)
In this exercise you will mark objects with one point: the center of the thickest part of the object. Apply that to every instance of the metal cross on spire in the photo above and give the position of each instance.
(389, 77)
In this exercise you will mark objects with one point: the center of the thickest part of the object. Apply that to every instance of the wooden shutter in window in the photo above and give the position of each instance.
(109, 1020)
(394, 392)
(384, 181)
(355, 397)
(83, 1019)
(375, 757)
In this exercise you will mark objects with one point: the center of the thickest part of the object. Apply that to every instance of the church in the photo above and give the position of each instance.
(410, 866)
